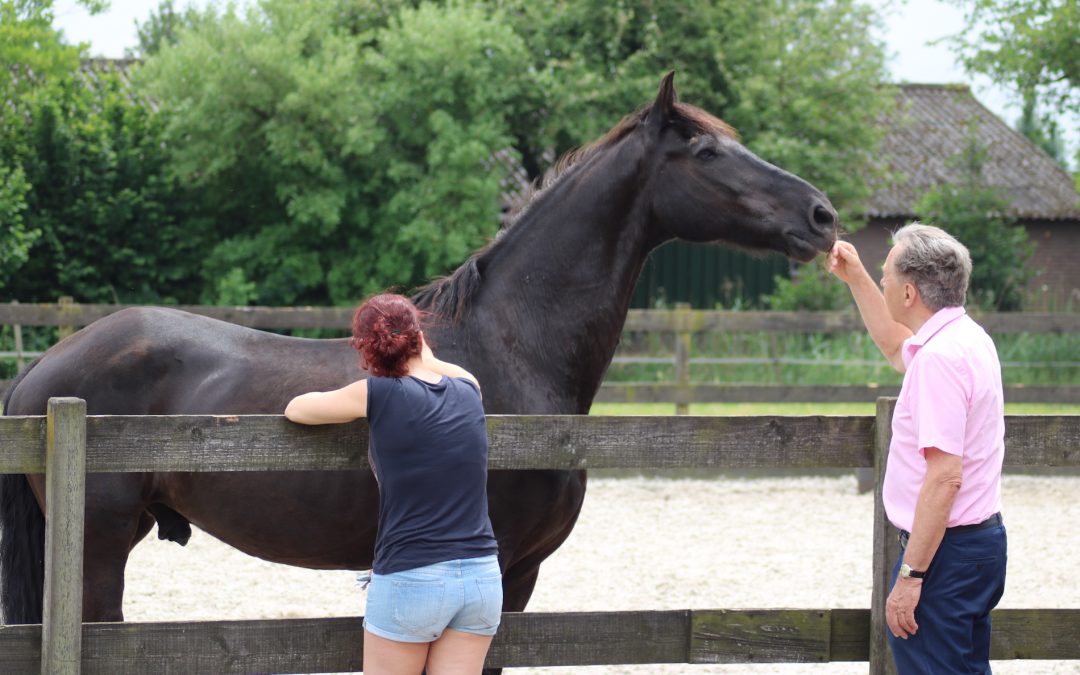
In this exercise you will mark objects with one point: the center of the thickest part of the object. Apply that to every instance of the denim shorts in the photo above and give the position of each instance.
(417, 605)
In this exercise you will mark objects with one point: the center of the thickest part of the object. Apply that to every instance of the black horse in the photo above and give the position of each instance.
(536, 315)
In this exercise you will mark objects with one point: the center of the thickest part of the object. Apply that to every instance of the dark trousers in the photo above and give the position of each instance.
(963, 583)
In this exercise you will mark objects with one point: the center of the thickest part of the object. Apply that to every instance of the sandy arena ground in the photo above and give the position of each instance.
(659, 543)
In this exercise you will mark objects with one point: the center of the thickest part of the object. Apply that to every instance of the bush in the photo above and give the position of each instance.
(973, 212)
(812, 289)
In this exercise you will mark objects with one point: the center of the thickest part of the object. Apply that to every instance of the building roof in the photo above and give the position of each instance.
(930, 126)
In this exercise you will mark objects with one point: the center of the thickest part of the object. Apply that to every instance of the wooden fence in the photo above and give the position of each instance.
(66, 444)
(684, 323)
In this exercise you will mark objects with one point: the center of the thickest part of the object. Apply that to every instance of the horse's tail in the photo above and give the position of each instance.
(22, 543)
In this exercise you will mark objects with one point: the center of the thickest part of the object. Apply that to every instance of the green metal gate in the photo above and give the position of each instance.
(707, 277)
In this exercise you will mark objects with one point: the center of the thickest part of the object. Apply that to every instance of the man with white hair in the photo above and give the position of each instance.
(942, 486)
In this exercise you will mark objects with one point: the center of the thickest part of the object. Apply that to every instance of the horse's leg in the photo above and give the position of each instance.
(522, 551)
(518, 584)
(115, 520)
(110, 537)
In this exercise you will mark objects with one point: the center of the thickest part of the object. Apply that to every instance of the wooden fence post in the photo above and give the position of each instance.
(67, 303)
(65, 494)
(683, 341)
(19, 363)
(886, 545)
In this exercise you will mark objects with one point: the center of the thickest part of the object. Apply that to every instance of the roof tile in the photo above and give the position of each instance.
(930, 125)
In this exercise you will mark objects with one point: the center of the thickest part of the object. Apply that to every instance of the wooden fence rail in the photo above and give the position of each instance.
(647, 320)
(683, 322)
(530, 639)
(658, 392)
(65, 441)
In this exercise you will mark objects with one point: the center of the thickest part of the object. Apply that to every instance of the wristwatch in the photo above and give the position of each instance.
(908, 573)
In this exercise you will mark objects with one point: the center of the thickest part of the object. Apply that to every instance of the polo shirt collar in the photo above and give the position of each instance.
(941, 318)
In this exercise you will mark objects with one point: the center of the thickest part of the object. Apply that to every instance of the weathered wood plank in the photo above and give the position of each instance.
(591, 638)
(1042, 440)
(200, 648)
(652, 392)
(650, 320)
(827, 322)
(529, 639)
(850, 637)
(760, 636)
(255, 317)
(655, 392)
(20, 649)
(22, 444)
(1035, 634)
(65, 494)
(885, 545)
(637, 320)
(271, 443)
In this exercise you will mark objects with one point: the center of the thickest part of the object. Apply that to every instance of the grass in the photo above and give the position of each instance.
(836, 358)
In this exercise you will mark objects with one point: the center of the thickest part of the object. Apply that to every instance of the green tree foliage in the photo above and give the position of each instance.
(1033, 46)
(31, 52)
(343, 148)
(83, 206)
(974, 213)
(164, 27)
(108, 223)
(32, 58)
(801, 80)
(15, 239)
(811, 289)
(1042, 130)
(305, 153)
(84, 210)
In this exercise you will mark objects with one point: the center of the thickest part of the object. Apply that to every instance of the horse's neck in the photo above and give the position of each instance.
(557, 290)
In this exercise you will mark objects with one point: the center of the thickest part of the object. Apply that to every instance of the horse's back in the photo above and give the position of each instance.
(157, 360)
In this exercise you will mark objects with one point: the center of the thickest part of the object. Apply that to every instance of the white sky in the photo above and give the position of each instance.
(910, 26)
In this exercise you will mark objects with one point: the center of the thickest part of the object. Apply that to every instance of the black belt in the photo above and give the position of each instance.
(992, 521)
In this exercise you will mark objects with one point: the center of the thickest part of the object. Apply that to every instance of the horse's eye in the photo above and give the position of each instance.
(706, 153)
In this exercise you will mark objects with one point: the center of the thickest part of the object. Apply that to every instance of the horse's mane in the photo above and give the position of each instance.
(449, 296)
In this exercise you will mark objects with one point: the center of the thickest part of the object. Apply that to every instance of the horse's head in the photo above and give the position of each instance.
(706, 186)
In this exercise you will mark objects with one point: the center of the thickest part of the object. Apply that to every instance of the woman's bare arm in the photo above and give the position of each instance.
(330, 407)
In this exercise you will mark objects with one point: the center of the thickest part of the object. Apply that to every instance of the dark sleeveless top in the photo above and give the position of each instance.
(428, 446)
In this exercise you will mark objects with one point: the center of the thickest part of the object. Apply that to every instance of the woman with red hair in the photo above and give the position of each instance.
(435, 597)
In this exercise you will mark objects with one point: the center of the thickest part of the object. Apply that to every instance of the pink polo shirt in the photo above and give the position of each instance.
(952, 400)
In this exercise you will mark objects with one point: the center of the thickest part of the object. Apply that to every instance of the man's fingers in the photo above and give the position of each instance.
(907, 622)
(893, 621)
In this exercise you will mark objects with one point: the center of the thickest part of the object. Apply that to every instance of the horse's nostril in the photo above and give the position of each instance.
(823, 216)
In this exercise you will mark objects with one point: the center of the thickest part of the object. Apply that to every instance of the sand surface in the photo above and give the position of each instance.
(660, 543)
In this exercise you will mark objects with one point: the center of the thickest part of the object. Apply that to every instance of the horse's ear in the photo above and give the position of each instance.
(663, 108)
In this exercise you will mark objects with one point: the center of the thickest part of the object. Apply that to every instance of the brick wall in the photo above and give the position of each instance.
(1056, 286)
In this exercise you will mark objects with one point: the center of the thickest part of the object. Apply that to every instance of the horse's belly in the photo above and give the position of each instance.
(314, 519)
